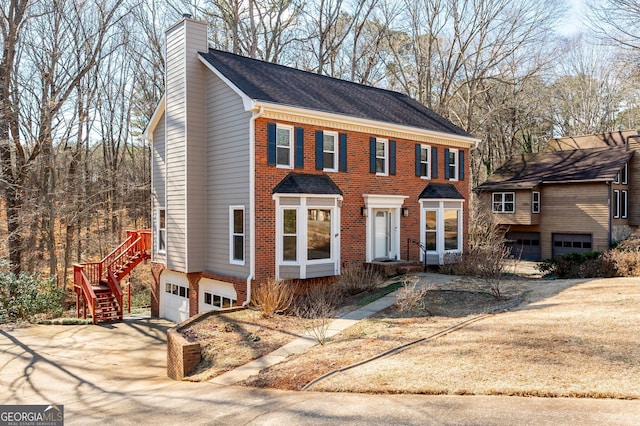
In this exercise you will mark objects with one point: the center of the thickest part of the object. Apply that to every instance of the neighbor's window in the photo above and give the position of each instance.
(624, 175)
(289, 235)
(330, 151)
(382, 156)
(504, 202)
(425, 161)
(535, 202)
(616, 204)
(624, 204)
(162, 230)
(318, 234)
(284, 146)
(236, 242)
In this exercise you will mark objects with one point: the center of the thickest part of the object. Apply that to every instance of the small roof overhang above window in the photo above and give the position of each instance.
(440, 191)
(299, 183)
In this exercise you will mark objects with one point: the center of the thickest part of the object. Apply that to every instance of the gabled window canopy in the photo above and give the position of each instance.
(440, 191)
(300, 183)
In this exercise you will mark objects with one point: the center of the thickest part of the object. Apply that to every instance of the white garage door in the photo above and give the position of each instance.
(175, 297)
(215, 295)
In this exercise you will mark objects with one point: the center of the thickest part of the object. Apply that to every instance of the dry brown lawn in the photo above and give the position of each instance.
(565, 338)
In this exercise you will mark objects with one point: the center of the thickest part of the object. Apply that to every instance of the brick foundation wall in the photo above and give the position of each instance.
(156, 271)
(184, 356)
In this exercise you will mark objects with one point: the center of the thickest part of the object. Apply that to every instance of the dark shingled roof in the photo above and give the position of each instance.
(526, 171)
(298, 183)
(268, 82)
(438, 191)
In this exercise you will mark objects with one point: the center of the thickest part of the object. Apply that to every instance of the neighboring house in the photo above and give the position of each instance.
(262, 171)
(578, 195)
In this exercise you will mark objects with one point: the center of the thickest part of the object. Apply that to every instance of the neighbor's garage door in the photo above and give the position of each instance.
(568, 243)
(524, 245)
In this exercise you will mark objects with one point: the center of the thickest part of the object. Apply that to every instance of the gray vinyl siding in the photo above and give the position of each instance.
(196, 150)
(158, 189)
(319, 270)
(176, 151)
(290, 271)
(186, 147)
(228, 181)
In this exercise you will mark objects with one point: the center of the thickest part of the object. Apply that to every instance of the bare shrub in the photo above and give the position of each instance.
(356, 278)
(487, 252)
(411, 296)
(319, 305)
(620, 263)
(272, 297)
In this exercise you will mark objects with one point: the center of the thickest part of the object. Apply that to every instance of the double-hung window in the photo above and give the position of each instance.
(284, 146)
(289, 235)
(161, 224)
(503, 202)
(452, 164)
(382, 157)
(237, 235)
(330, 151)
(423, 161)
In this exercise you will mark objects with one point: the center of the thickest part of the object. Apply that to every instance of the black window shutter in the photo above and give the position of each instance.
(461, 165)
(372, 155)
(343, 153)
(319, 149)
(434, 162)
(299, 147)
(418, 158)
(271, 144)
(392, 157)
(446, 164)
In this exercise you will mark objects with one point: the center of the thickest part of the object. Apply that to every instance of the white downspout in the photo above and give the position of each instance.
(252, 201)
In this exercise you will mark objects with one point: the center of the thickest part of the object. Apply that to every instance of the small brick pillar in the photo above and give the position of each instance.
(182, 356)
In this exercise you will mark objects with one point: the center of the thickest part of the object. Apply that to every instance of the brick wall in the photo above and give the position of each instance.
(355, 182)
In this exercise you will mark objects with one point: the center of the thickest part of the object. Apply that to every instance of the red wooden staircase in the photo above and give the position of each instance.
(97, 284)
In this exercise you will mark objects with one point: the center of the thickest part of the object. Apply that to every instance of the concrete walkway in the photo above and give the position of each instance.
(306, 341)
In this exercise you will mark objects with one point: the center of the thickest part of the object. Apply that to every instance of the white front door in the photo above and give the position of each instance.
(382, 234)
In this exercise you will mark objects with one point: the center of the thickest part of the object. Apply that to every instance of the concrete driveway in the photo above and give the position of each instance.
(115, 374)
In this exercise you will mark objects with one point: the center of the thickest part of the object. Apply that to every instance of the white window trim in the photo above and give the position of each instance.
(440, 241)
(428, 162)
(301, 232)
(624, 202)
(456, 164)
(334, 167)
(386, 157)
(503, 202)
(158, 230)
(535, 204)
(232, 234)
(291, 146)
(625, 175)
(616, 204)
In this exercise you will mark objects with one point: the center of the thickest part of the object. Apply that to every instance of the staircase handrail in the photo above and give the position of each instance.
(133, 248)
(116, 289)
(107, 260)
(87, 291)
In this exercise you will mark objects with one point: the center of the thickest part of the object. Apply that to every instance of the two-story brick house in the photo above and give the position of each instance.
(578, 195)
(260, 171)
